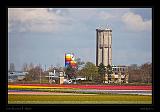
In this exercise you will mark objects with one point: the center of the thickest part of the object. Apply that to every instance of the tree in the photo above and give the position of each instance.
(51, 68)
(31, 66)
(102, 71)
(70, 71)
(89, 70)
(134, 75)
(133, 67)
(109, 72)
(73, 72)
(141, 74)
(146, 72)
(25, 67)
(34, 73)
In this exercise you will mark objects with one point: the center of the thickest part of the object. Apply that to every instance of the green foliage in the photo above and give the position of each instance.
(109, 72)
(101, 71)
(89, 70)
(109, 69)
(70, 71)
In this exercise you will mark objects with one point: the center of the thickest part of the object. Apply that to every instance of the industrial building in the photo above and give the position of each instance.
(104, 55)
(104, 47)
(119, 75)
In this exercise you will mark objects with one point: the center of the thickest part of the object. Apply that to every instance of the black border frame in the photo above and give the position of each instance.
(82, 4)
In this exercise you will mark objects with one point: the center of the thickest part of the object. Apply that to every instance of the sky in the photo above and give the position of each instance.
(44, 35)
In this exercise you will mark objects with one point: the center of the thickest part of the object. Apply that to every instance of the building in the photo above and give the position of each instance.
(104, 46)
(104, 55)
(56, 77)
(119, 75)
(16, 76)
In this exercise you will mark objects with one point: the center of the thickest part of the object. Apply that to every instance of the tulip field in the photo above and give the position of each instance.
(78, 94)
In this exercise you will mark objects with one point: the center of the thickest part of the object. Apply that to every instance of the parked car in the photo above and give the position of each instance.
(81, 78)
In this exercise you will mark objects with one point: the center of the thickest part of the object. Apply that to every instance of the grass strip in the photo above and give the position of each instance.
(15, 97)
(79, 102)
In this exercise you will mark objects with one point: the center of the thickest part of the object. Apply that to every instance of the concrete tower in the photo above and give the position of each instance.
(104, 46)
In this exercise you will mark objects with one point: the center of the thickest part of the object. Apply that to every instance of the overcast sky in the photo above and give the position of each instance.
(44, 35)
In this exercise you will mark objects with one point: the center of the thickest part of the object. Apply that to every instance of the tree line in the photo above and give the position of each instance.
(140, 74)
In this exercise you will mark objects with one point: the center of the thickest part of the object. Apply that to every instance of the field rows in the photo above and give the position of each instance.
(110, 87)
(77, 94)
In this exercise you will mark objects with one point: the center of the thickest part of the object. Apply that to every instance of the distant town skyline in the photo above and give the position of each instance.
(44, 35)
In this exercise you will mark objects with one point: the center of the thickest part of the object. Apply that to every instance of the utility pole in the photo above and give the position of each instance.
(40, 73)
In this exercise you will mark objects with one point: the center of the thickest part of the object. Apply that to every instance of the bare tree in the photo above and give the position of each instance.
(34, 73)
(134, 75)
(146, 72)
(142, 73)
(25, 67)
(31, 66)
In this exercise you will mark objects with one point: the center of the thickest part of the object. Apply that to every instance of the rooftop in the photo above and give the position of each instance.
(104, 29)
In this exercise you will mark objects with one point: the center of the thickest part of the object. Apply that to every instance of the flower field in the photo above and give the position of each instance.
(104, 87)
(48, 93)
(31, 86)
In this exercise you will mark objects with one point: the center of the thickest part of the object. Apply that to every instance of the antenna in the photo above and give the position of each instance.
(98, 26)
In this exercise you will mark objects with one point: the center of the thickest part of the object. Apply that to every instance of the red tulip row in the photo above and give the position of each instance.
(105, 87)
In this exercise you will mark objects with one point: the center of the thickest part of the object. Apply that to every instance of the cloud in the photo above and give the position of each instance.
(35, 20)
(69, 19)
(135, 22)
(104, 15)
(48, 19)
